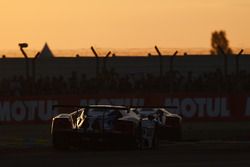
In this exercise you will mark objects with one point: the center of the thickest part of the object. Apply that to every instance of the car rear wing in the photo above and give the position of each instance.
(166, 107)
(67, 106)
(106, 106)
(90, 106)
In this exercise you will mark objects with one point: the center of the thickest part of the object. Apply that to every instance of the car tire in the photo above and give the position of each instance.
(60, 140)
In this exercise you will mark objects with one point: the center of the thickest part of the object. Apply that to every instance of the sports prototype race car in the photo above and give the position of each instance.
(103, 125)
(169, 125)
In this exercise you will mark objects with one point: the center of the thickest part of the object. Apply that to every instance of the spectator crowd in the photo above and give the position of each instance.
(111, 82)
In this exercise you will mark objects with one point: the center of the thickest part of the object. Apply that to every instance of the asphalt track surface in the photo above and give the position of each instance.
(202, 154)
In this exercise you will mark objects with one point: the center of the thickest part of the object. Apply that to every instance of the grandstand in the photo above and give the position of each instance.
(47, 74)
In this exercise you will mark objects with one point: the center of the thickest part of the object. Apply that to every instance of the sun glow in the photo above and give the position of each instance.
(122, 24)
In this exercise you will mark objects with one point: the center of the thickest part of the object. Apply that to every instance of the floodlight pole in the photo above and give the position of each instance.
(22, 46)
(225, 61)
(171, 72)
(160, 60)
(171, 63)
(97, 61)
(237, 64)
(34, 66)
(105, 61)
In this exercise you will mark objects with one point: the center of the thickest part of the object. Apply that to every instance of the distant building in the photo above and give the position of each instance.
(46, 52)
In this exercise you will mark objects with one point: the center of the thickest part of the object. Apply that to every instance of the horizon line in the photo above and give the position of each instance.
(102, 51)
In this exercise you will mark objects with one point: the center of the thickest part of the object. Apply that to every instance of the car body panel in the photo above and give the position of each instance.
(170, 125)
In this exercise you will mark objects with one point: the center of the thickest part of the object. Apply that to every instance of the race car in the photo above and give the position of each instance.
(169, 125)
(103, 125)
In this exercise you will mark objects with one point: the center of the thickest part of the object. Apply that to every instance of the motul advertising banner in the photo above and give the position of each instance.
(190, 107)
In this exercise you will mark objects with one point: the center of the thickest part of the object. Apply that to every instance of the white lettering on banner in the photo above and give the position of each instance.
(173, 102)
(18, 111)
(188, 108)
(29, 110)
(31, 107)
(41, 108)
(213, 107)
(5, 111)
(199, 107)
(247, 112)
(46, 113)
(225, 112)
(125, 102)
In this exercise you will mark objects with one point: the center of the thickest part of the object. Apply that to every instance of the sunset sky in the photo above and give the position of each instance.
(72, 24)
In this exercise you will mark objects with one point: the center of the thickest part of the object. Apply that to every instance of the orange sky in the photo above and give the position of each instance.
(74, 24)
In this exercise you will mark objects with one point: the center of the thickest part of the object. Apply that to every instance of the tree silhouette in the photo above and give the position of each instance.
(220, 43)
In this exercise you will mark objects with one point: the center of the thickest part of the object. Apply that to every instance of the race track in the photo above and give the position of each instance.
(189, 153)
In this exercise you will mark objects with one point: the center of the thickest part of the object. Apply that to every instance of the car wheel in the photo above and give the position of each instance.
(60, 140)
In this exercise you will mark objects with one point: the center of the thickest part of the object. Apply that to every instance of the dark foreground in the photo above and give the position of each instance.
(202, 153)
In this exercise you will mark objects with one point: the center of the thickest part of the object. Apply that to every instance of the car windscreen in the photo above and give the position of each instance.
(97, 112)
(146, 111)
